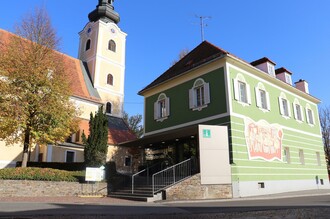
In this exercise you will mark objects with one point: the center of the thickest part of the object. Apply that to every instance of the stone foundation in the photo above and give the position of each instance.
(192, 189)
(30, 188)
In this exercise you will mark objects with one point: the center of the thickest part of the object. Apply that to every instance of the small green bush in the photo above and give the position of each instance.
(42, 174)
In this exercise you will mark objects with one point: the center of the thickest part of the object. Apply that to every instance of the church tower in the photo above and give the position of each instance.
(102, 49)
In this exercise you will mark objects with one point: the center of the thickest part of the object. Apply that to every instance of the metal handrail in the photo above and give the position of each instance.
(171, 175)
(138, 173)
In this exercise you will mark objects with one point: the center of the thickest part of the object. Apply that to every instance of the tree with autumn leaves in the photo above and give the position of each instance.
(34, 90)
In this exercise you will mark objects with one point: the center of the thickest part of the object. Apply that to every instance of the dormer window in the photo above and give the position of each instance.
(112, 46)
(265, 65)
(271, 69)
(284, 75)
(88, 45)
(288, 78)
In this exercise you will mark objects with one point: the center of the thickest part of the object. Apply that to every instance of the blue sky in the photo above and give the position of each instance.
(295, 34)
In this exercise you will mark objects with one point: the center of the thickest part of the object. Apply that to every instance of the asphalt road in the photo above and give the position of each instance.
(311, 206)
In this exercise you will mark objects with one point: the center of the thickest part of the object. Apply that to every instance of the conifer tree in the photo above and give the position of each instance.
(96, 144)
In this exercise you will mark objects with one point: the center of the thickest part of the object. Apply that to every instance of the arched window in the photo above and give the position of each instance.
(88, 44)
(112, 46)
(108, 108)
(110, 79)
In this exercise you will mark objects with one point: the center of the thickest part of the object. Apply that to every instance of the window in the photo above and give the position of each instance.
(286, 155)
(288, 78)
(108, 108)
(298, 111)
(318, 158)
(110, 79)
(271, 69)
(301, 157)
(284, 106)
(112, 46)
(241, 90)
(69, 156)
(298, 115)
(128, 161)
(161, 107)
(199, 95)
(262, 97)
(88, 45)
(309, 115)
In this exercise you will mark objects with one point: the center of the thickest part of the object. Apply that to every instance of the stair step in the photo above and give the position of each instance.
(131, 197)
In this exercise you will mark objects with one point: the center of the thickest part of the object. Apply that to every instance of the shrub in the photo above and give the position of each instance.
(43, 174)
(76, 166)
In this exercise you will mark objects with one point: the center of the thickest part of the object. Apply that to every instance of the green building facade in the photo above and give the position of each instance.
(275, 142)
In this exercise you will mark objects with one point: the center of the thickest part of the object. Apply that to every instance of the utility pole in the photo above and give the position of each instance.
(202, 24)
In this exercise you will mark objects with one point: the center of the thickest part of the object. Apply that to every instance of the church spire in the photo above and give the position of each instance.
(104, 11)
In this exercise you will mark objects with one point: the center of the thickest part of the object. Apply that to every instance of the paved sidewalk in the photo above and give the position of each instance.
(110, 201)
(68, 200)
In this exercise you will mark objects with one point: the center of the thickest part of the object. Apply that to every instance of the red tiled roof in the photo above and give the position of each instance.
(118, 131)
(73, 69)
(262, 60)
(281, 70)
(203, 53)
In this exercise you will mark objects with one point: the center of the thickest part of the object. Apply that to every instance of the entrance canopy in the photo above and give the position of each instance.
(165, 137)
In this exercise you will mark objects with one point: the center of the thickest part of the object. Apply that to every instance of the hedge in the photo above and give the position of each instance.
(56, 165)
(43, 174)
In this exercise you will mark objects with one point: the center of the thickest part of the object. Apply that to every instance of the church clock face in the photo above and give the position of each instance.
(113, 31)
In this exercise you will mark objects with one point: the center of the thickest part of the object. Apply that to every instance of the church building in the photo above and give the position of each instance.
(96, 78)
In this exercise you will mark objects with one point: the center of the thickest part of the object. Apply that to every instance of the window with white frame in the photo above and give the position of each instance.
(262, 97)
(297, 109)
(199, 95)
(284, 106)
(286, 155)
(162, 107)
(242, 90)
(301, 157)
(309, 115)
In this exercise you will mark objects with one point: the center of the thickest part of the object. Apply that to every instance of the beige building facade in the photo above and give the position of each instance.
(97, 79)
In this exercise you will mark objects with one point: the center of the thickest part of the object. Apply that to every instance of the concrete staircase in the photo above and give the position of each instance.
(142, 191)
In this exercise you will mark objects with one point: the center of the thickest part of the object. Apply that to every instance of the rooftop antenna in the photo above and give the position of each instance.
(203, 24)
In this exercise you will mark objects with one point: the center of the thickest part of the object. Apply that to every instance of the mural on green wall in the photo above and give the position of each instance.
(264, 140)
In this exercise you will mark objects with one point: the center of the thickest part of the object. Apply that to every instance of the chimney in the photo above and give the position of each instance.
(266, 65)
(284, 75)
(302, 85)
